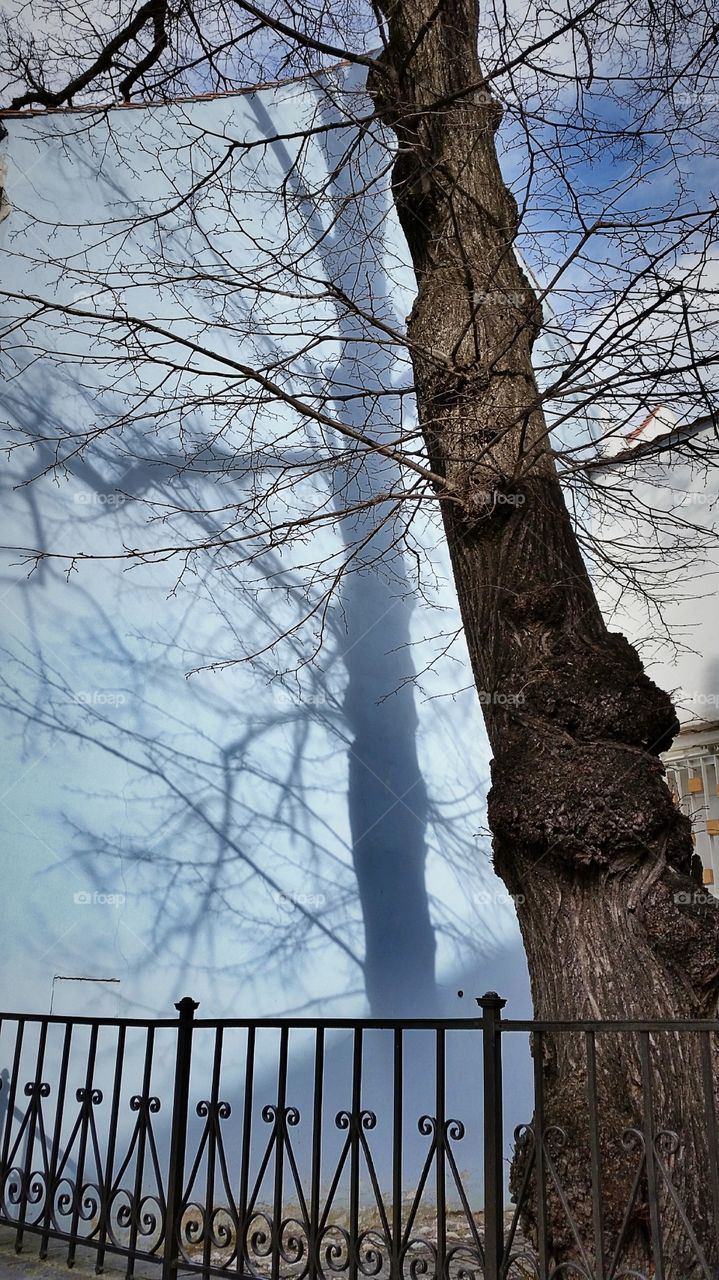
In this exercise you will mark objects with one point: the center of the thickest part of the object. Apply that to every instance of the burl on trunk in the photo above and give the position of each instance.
(585, 829)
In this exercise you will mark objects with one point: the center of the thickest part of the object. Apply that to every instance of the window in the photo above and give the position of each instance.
(693, 778)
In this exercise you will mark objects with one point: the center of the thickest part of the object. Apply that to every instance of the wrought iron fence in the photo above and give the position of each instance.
(293, 1149)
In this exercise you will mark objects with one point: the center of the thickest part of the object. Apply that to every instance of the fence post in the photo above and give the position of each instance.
(492, 1005)
(178, 1137)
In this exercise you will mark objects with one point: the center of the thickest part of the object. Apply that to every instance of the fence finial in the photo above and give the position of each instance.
(490, 1000)
(178, 1137)
(186, 1006)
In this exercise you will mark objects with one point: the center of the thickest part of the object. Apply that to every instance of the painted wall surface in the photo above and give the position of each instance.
(115, 813)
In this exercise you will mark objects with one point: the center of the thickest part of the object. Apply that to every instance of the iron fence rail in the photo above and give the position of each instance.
(282, 1149)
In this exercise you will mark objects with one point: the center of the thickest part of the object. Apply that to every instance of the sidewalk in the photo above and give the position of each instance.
(29, 1266)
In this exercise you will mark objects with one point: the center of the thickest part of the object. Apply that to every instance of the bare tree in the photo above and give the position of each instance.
(585, 830)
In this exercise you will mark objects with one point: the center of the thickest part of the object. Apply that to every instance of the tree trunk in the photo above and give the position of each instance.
(585, 830)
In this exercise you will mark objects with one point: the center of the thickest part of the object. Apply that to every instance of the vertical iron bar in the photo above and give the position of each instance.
(110, 1158)
(35, 1103)
(246, 1149)
(652, 1187)
(56, 1138)
(315, 1177)
(540, 1189)
(213, 1121)
(178, 1139)
(86, 1108)
(491, 1005)
(143, 1121)
(10, 1113)
(711, 1122)
(595, 1155)
(397, 1157)
(355, 1122)
(280, 1122)
(441, 1135)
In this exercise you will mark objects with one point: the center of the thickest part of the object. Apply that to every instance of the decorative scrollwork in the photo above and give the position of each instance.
(355, 1120)
(12, 1186)
(63, 1198)
(34, 1089)
(286, 1240)
(523, 1133)
(150, 1216)
(217, 1229)
(223, 1228)
(464, 1262)
(667, 1142)
(140, 1102)
(192, 1227)
(291, 1241)
(521, 1265)
(223, 1110)
(259, 1236)
(69, 1199)
(372, 1252)
(145, 1216)
(555, 1137)
(36, 1187)
(335, 1248)
(94, 1096)
(25, 1191)
(89, 1199)
(454, 1129)
(633, 1140)
(419, 1257)
(271, 1113)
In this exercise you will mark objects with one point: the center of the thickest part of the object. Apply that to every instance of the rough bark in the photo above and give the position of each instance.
(583, 823)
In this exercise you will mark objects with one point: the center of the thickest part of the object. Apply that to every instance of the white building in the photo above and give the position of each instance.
(668, 469)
